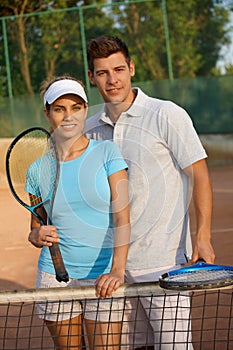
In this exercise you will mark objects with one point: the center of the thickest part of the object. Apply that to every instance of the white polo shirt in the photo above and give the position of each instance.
(157, 139)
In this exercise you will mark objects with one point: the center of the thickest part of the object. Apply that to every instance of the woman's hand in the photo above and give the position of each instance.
(108, 283)
(43, 236)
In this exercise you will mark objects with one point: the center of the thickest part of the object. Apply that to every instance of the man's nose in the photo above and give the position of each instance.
(112, 78)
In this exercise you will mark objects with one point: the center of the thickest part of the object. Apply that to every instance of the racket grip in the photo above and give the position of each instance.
(61, 273)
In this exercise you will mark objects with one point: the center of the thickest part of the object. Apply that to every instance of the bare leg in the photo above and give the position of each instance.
(103, 335)
(66, 334)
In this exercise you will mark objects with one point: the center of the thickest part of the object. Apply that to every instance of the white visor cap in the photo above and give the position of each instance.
(64, 87)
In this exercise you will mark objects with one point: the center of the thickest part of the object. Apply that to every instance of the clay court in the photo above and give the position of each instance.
(18, 259)
(18, 262)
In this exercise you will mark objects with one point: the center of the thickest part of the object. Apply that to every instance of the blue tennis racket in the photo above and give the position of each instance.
(33, 153)
(198, 276)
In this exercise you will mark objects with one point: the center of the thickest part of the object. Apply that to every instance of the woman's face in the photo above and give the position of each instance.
(67, 116)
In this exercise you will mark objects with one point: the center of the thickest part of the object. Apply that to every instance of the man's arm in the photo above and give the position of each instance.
(203, 203)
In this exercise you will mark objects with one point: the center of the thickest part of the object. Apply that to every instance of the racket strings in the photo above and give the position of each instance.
(202, 276)
(32, 165)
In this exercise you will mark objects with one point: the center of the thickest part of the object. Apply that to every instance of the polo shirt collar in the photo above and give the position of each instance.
(138, 104)
(133, 111)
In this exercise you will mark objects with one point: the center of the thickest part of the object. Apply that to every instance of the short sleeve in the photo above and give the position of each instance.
(114, 160)
(31, 182)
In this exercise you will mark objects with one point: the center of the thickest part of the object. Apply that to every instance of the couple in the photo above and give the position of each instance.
(160, 159)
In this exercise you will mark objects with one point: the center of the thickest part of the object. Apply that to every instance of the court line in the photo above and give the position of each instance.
(222, 230)
(14, 247)
(219, 230)
(219, 190)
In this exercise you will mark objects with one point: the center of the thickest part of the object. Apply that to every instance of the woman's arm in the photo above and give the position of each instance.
(107, 283)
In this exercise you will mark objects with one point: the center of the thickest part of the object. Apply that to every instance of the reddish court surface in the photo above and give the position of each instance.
(18, 259)
(18, 264)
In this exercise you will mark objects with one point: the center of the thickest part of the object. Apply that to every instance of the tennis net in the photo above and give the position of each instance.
(200, 320)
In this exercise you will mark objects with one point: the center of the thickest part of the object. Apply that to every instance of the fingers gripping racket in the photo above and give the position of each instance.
(198, 276)
(32, 169)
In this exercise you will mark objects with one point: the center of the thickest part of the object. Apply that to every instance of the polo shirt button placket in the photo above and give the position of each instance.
(116, 132)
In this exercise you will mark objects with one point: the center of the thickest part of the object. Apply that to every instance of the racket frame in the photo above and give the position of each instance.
(195, 285)
(61, 273)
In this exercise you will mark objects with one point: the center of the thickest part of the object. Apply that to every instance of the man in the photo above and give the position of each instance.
(164, 157)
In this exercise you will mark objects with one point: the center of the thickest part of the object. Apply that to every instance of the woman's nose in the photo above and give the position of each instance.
(67, 114)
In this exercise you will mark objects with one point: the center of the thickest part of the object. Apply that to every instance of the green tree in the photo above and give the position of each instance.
(19, 8)
(141, 26)
(212, 34)
(197, 31)
(49, 43)
(229, 69)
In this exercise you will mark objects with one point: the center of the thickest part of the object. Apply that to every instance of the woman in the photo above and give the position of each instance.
(90, 221)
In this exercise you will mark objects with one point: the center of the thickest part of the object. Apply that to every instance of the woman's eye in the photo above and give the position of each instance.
(57, 109)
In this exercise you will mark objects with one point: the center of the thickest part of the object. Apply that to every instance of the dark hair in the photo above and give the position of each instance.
(104, 46)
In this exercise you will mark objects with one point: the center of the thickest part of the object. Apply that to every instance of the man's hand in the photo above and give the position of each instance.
(203, 250)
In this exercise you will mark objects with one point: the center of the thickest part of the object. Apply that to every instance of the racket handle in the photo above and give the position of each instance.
(61, 273)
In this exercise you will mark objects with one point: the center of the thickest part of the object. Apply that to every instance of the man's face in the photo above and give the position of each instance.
(112, 76)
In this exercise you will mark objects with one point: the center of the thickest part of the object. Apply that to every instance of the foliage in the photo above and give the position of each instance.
(50, 42)
(197, 31)
(142, 25)
(229, 69)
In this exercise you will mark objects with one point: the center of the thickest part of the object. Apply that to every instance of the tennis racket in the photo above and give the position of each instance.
(32, 169)
(198, 276)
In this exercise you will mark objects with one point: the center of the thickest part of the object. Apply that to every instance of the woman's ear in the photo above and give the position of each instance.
(86, 110)
(46, 113)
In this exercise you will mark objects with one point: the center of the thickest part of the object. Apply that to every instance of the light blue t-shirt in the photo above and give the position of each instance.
(82, 210)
